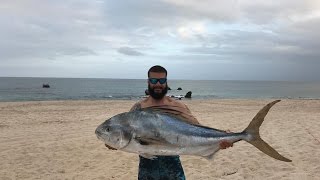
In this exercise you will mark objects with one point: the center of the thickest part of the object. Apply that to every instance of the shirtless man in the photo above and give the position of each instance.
(163, 167)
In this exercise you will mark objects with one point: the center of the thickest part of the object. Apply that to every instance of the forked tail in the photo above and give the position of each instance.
(253, 130)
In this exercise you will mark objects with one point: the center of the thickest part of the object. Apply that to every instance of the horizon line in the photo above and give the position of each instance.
(168, 79)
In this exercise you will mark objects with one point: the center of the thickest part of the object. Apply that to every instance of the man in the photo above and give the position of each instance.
(163, 167)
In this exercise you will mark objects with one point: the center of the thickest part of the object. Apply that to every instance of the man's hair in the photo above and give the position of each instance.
(158, 69)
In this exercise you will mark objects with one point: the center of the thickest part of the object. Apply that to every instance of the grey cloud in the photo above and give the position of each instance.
(129, 51)
(270, 12)
(274, 40)
(47, 30)
(281, 45)
(162, 14)
(236, 33)
(133, 14)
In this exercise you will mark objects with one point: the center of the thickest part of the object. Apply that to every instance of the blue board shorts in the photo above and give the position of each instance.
(161, 168)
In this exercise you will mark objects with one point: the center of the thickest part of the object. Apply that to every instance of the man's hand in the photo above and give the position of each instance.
(109, 147)
(225, 144)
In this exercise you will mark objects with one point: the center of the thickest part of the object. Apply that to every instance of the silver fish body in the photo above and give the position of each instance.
(150, 133)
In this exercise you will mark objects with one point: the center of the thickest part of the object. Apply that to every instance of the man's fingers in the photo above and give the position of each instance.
(225, 144)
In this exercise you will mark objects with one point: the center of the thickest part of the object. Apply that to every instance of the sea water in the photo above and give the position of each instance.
(30, 89)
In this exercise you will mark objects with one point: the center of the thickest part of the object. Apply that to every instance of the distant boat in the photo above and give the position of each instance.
(45, 86)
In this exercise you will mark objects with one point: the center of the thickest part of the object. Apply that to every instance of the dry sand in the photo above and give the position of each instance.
(56, 140)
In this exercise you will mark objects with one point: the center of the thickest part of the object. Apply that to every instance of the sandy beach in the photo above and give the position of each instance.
(56, 140)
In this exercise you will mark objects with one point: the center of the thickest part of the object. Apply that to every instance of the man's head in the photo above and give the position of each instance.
(157, 82)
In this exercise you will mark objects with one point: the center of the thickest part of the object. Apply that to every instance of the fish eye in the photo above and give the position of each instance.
(108, 129)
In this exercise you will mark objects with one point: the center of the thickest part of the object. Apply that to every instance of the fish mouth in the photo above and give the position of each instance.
(102, 137)
(99, 137)
(100, 134)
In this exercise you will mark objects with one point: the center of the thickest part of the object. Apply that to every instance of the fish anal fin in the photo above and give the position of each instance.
(209, 157)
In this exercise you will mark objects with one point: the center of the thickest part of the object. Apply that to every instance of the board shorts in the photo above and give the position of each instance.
(161, 168)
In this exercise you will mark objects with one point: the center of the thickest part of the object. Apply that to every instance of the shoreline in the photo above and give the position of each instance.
(56, 140)
(138, 99)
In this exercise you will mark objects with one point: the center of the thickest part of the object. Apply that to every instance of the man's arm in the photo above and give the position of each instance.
(190, 117)
(136, 106)
(185, 112)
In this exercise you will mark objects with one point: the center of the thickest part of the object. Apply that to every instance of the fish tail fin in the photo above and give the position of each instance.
(254, 137)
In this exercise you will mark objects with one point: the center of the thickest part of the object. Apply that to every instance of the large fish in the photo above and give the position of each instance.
(151, 133)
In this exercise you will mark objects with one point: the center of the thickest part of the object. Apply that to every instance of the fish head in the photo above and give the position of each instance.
(114, 132)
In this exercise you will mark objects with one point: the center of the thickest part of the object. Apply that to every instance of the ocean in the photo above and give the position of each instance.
(30, 89)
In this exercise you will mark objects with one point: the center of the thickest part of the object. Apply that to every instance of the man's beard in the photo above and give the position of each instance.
(157, 95)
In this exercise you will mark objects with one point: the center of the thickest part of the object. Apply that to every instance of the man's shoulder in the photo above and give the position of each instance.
(136, 106)
(141, 104)
(168, 102)
(175, 102)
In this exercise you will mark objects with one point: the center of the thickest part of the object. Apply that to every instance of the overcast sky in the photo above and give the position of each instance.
(193, 39)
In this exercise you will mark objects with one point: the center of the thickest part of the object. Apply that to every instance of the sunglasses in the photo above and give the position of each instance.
(155, 80)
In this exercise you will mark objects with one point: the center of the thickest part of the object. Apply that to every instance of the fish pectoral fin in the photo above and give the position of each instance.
(150, 141)
(149, 156)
